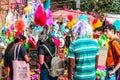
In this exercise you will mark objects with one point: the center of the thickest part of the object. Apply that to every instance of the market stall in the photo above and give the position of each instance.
(30, 21)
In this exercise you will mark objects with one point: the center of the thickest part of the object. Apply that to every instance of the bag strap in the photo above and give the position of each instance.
(46, 66)
(50, 54)
(16, 54)
(48, 50)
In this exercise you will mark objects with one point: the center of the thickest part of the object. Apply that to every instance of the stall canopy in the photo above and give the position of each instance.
(62, 14)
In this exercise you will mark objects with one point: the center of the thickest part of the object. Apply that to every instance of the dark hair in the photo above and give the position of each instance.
(67, 41)
(10, 46)
(98, 29)
(110, 27)
(50, 41)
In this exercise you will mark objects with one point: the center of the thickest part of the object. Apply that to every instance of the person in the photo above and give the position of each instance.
(9, 53)
(113, 55)
(82, 53)
(44, 55)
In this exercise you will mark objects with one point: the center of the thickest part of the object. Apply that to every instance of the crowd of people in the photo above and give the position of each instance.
(83, 53)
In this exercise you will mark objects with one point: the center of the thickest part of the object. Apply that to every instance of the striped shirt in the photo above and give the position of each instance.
(84, 50)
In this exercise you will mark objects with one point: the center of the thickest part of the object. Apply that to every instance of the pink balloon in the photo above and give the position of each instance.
(56, 41)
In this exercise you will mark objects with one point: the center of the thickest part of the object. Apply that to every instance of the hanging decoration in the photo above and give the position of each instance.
(117, 24)
(56, 41)
(96, 23)
(83, 17)
(20, 25)
(27, 9)
(71, 23)
(82, 28)
(46, 5)
(40, 16)
(49, 18)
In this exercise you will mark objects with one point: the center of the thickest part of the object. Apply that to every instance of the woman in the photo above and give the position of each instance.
(9, 53)
(44, 56)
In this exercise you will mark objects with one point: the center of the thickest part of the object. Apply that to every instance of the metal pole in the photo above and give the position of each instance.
(77, 4)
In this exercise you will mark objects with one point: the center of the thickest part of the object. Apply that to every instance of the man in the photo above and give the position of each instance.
(113, 56)
(82, 53)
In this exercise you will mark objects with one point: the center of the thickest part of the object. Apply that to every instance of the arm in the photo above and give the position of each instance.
(116, 48)
(115, 69)
(71, 61)
(41, 59)
(27, 59)
(97, 58)
(71, 67)
(41, 55)
(24, 54)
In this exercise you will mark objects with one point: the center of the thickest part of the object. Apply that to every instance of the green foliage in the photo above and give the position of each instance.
(101, 7)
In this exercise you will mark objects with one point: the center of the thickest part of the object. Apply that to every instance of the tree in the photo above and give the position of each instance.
(101, 6)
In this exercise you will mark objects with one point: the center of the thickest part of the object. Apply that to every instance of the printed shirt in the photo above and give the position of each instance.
(115, 46)
(84, 50)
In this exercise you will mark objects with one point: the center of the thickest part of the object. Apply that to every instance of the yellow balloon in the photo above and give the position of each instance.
(71, 23)
(97, 24)
(1, 63)
(6, 24)
(32, 73)
(27, 9)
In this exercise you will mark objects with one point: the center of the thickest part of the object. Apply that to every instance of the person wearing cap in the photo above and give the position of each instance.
(82, 53)
(113, 55)
(44, 55)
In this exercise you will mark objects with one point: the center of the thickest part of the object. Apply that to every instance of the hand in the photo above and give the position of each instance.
(111, 72)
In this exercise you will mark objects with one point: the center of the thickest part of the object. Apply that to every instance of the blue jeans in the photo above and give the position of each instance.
(113, 76)
(45, 75)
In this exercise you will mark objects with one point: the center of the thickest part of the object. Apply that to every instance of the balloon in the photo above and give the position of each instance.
(98, 73)
(52, 33)
(18, 33)
(62, 42)
(27, 9)
(49, 18)
(11, 39)
(12, 27)
(40, 16)
(32, 43)
(3, 29)
(117, 25)
(56, 41)
(70, 17)
(82, 28)
(70, 24)
(20, 25)
(4, 39)
(83, 17)
(9, 32)
(39, 28)
(46, 4)
(96, 23)
(27, 46)
(63, 30)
